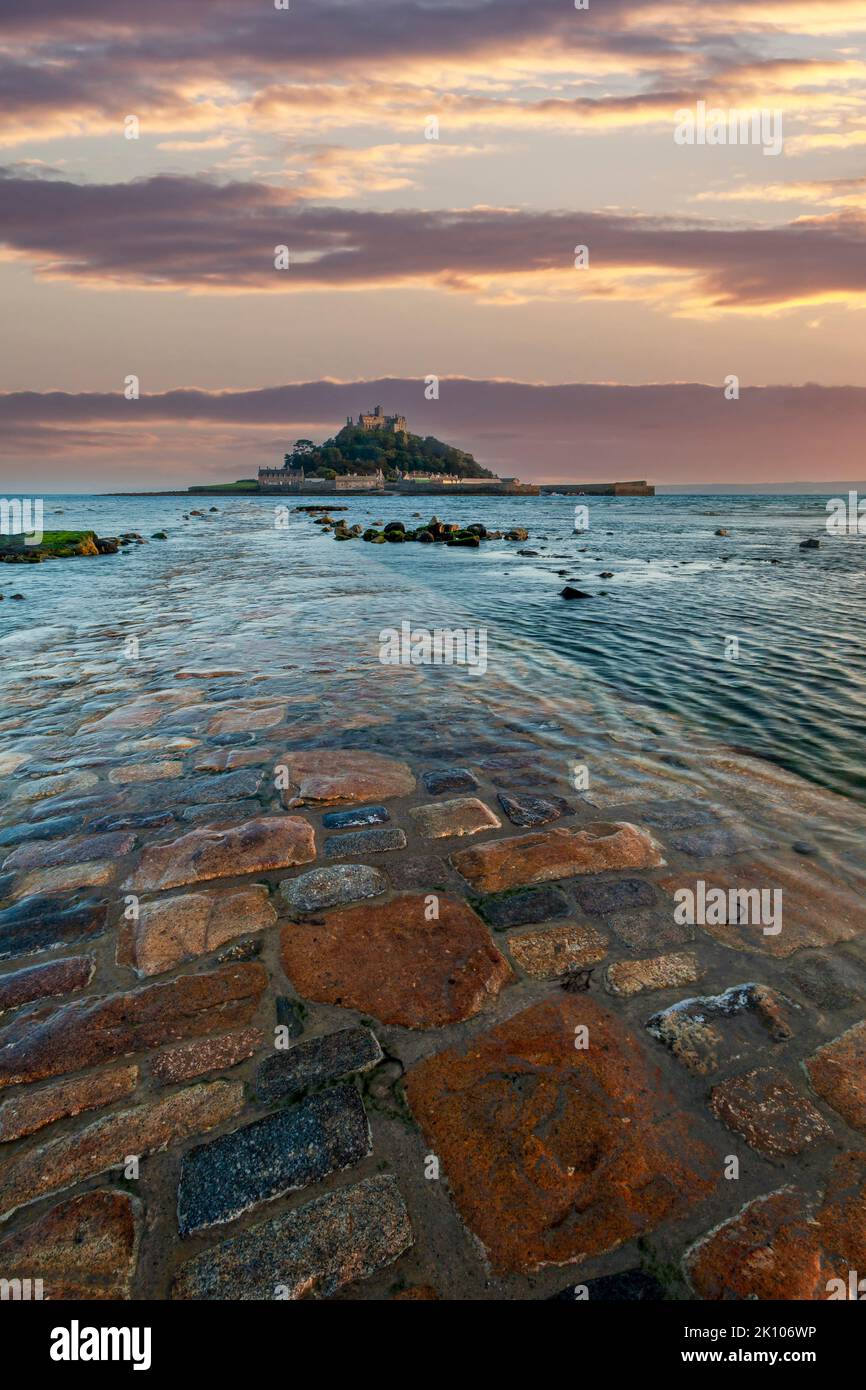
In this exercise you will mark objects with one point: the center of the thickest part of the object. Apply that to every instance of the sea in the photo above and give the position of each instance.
(691, 646)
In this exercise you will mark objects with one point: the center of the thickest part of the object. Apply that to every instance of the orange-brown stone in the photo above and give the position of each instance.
(85, 1248)
(205, 1055)
(344, 774)
(769, 1112)
(628, 977)
(768, 1251)
(107, 1142)
(557, 853)
(28, 1111)
(241, 721)
(186, 925)
(784, 1247)
(50, 854)
(556, 1151)
(838, 1073)
(45, 981)
(63, 877)
(464, 815)
(88, 1031)
(552, 951)
(818, 909)
(273, 842)
(390, 961)
(137, 773)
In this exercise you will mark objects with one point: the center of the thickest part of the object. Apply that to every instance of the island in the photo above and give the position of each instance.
(377, 453)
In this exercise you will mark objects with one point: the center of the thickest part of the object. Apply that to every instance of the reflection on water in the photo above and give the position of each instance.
(633, 683)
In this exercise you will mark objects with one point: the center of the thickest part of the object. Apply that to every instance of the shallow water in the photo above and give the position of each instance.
(638, 673)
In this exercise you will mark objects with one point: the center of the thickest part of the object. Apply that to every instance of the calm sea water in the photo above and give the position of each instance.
(301, 613)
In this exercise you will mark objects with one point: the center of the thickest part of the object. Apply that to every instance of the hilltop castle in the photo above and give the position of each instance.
(378, 420)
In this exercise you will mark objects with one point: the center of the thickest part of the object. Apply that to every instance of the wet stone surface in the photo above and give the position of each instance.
(838, 1073)
(179, 928)
(323, 888)
(104, 1144)
(364, 842)
(397, 962)
(206, 1055)
(601, 897)
(521, 1096)
(449, 779)
(787, 1245)
(464, 815)
(333, 775)
(547, 954)
(628, 977)
(27, 1111)
(703, 1033)
(169, 829)
(524, 908)
(38, 924)
(525, 810)
(357, 816)
(85, 1032)
(557, 853)
(273, 842)
(57, 977)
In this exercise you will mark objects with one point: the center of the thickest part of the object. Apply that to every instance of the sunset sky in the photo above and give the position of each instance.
(409, 256)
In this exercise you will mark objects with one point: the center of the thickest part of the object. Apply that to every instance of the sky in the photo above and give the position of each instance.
(225, 224)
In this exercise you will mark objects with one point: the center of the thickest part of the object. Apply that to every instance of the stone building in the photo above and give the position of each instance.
(378, 420)
(295, 480)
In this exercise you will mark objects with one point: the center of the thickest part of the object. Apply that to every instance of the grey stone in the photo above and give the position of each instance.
(824, 984)
(449, 779)
(66, 806)
(356, 815)
(522, 809)
(668, 815)
(503, 910)
(223, 810)
(713, 840)
(644, 930)
(41, 830)
(268, 1158)
(631, 1286)
(314, 1061)
(364, 842)
(710, 1031)
(290, 1015)
(40, 923)
(314, 1250)
(599, 896)
(220, 786)
(321, 888)
(144, 821)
